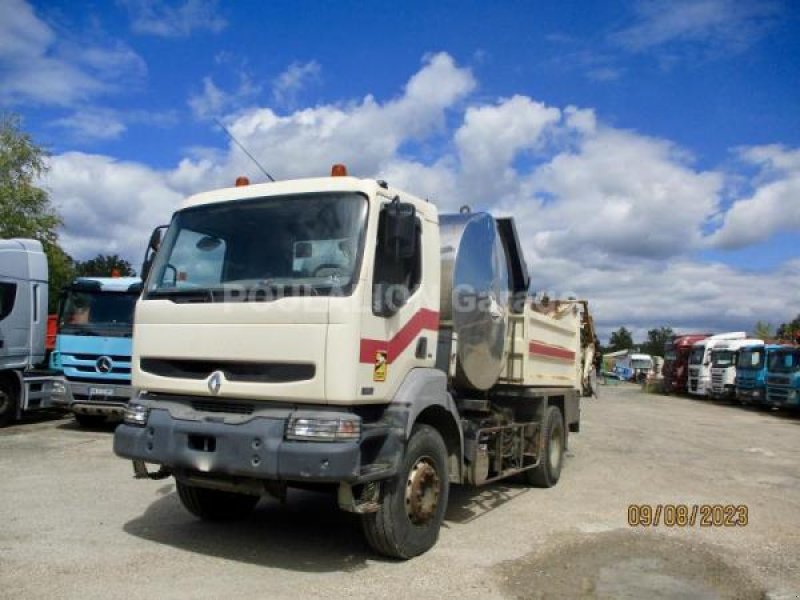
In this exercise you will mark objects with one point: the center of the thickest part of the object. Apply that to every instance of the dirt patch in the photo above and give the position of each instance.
(627, 564)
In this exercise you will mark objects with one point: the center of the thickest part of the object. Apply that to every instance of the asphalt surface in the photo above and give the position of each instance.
(75, 524)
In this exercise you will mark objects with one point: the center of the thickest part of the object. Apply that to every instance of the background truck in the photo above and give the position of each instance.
(93, 346)
(632, 366)
(676, 361)
(724, 357)
(24, 384)
(751, 372)
(783, 378)
(416, 361)
(700, 361)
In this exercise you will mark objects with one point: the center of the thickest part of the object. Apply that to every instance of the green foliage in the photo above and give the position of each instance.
(104, 266)
(656, 338)
(762, 331)
(789, 332)
(25, 209)
(621, 339)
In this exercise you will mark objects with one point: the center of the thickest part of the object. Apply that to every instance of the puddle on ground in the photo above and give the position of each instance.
(624, 564)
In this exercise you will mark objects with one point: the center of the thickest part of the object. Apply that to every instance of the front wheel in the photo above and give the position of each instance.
(415, 500)
(8, 401)
(551, 453)
(215, 505)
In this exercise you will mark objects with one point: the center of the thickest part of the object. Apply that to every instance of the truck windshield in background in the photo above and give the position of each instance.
(784, 361)
(254, 249)
(750, 359)
(696, 357)
(724, 358)
(100, 313)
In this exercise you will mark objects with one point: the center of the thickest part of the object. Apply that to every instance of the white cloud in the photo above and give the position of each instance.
(38, 64)
(772, 207)
(606, 214)
(91, 125)
(293, 80)
(732, 25)
(160, 18)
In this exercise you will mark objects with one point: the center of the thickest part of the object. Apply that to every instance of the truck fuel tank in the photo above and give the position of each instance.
(475, 296)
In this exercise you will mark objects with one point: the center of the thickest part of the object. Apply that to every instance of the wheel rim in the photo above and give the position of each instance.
(423, 488)
(555, 447)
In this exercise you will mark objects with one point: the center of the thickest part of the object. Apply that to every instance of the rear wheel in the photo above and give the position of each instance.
(9, 397)
(414, 501)
(215, 505)
(552, 452)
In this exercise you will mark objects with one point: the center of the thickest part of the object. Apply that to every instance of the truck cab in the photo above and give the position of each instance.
(783, 378)
(676, 361)
(633, 367)
(724, 357)
(751, 372)
(24, 382)
(700, 361)
(93, 346)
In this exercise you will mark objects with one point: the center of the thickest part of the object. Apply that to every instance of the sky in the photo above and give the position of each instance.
(649, 150)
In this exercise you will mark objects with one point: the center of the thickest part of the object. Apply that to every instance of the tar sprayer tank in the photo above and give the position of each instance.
(475, 297)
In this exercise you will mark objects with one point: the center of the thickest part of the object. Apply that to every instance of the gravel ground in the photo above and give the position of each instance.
(75, 523)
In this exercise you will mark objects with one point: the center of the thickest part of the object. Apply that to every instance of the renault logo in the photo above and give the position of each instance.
(215, 382)
(103, 364)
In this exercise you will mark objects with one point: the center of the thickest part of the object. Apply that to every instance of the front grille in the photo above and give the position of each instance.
(254, 372)
(87, 369)
(94, 357)
(777, 380)
(99, 380)
(693, 385)
(221, 406)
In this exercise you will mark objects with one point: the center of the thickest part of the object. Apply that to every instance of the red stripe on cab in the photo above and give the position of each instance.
(422, 319)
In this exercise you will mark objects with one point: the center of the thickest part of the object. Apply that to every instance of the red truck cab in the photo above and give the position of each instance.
(676, 361)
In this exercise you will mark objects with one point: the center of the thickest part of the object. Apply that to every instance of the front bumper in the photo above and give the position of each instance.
(101, 398)
(751, 395)
(256, 448)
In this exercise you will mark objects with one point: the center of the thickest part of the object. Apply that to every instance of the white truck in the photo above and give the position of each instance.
(700, 361)
(24, 383)
(724, 356)
(415, 360)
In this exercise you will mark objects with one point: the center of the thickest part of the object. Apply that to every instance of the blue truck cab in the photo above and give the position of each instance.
(783, 378)
(751, 372)
(93, 346)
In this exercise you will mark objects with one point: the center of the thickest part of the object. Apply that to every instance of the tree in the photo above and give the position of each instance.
(762, 331)
(104, 266)
(25, 208)
(656, 339)
(789, 332)
(621, 339)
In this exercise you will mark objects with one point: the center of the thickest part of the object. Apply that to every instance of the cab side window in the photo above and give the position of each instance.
(8, 293)
(395, 280)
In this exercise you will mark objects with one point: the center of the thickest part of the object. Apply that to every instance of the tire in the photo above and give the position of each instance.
(404, 527)
(9, 399)
(89, 420)
(215, 505)
(548, 472)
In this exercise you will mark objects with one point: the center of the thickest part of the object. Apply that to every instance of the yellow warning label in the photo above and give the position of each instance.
(381, 366)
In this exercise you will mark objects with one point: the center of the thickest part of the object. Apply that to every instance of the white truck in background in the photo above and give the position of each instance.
(25, 384)
(414, 360)
(700, 361)
(724, 356)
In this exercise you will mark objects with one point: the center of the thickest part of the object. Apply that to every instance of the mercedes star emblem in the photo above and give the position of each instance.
(215, 382)
(103, 364)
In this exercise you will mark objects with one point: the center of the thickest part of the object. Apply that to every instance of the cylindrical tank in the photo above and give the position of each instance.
(475, 296)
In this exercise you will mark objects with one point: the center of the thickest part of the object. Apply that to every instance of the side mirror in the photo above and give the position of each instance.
(152, 247)
(399, 229)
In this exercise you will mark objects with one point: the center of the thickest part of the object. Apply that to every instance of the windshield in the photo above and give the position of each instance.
(696, 357)
(641, 363)
(260, 248)
(751, 359)
(723, 358)
(784, 361)
(670, 355)
(107, 314)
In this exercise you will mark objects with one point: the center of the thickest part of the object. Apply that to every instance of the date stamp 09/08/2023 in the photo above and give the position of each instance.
(688, 515)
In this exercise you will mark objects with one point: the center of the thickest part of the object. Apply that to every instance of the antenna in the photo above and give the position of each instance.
(250, 156)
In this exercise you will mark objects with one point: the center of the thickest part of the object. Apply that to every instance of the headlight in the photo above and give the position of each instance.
(326, 429)
(59, 388)
(136, 414)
